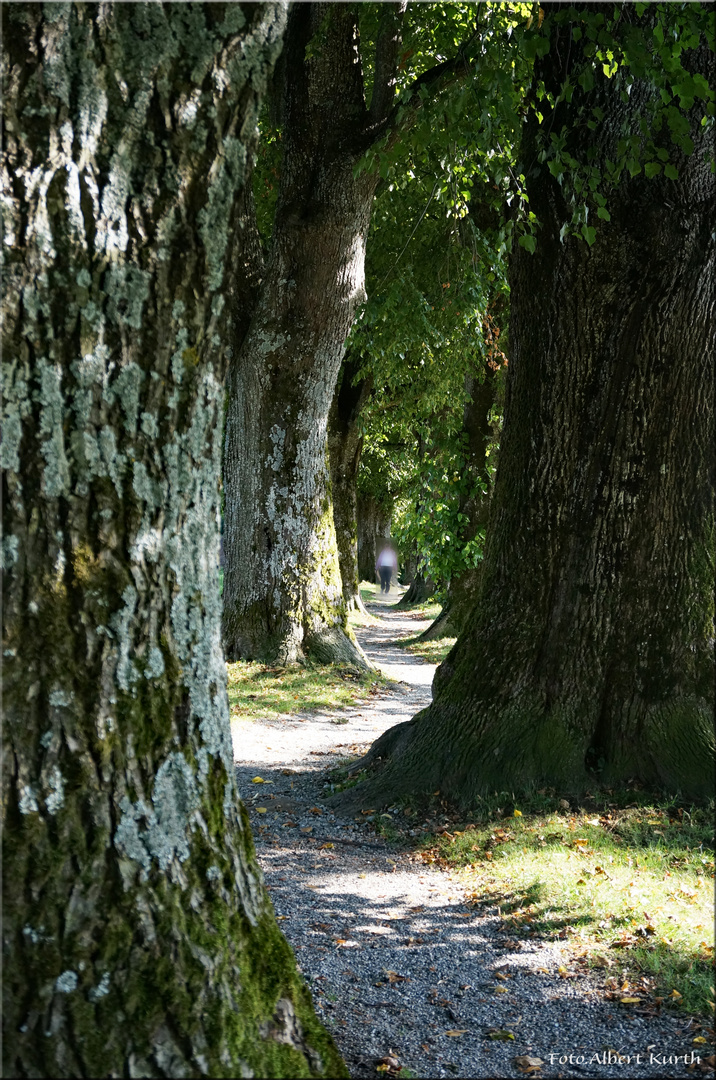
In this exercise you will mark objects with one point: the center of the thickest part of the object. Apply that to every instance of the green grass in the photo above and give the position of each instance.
(433, 652)
(257, 691)
(625, 881)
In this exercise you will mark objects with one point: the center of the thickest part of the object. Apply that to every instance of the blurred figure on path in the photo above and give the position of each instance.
(387, 565)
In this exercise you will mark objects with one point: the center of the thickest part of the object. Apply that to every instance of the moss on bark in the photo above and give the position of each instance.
(138, 939)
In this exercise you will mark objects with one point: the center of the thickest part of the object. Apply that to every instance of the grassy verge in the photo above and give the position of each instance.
(434, 652)
(257, 691)
(625, 880)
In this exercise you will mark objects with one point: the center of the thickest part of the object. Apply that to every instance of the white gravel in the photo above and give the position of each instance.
(395, 958)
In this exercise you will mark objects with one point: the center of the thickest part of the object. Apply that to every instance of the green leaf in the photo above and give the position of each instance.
(671, 172)
(589, 233)
(652, 168)
(603, 213)
(529, 243)
(586, 79)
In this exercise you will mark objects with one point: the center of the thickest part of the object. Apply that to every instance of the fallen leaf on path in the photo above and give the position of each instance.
(260, 780)
(261, 810)
(454, 1033)
(324, 846)
(630, 1001)
(526, 1062)
(501, 1035)
(501, 990)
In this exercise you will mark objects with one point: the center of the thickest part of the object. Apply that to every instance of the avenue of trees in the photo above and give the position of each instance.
(461, 226)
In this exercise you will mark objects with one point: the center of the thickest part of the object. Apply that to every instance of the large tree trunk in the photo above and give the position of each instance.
(344, 449)
(282, 587)
(592, 642)
(373, 528)
(138, 938)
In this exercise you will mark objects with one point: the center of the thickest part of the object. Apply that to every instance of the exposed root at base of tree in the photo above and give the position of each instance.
(336, 646)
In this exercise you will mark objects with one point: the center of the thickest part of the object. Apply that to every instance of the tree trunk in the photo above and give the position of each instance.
(282, 587)
(591, 646)
(373, 528)
(463, 589)
(421, 588)
(344, 449)
(138, 938)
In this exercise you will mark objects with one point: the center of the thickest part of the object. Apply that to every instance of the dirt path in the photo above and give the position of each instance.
(397, 962)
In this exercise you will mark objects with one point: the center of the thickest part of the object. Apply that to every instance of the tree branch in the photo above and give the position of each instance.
(404, 113)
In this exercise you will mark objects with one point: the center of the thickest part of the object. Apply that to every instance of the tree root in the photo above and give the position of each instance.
(336, 646)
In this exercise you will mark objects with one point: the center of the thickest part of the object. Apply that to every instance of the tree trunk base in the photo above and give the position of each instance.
(441, 627)
(337, 646)
(468, 755)
(420, 590)
(355, 603)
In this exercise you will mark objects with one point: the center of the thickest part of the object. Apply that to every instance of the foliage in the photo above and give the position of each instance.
(452, 200)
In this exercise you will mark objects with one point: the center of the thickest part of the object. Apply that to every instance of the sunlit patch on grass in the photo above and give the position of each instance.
(629, 889)
(433, 652)
(258, 691)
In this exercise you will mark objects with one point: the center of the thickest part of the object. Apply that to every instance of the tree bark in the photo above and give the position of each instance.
(591, 646)
(345, 443)
(283, 598)
(421, 588)
(373, 527)
(138, 938)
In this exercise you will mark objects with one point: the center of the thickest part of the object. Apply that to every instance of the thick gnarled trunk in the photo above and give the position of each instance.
(138, 939)
(591, 646)
(344, 449)
(283, 598)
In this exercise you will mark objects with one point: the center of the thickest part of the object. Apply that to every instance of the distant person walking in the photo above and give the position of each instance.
(386, 566)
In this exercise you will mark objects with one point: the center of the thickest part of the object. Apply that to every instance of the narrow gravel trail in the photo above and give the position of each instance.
(397, 962)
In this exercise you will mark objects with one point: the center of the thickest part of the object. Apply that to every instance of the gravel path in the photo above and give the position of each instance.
(402, 971)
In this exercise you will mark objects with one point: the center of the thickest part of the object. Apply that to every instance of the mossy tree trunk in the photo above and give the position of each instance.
(138, 938)
(283, 598)
(591, 644)
(345, 443)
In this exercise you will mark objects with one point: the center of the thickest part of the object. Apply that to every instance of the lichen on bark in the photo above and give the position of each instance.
(283, 597)
(137, 934)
